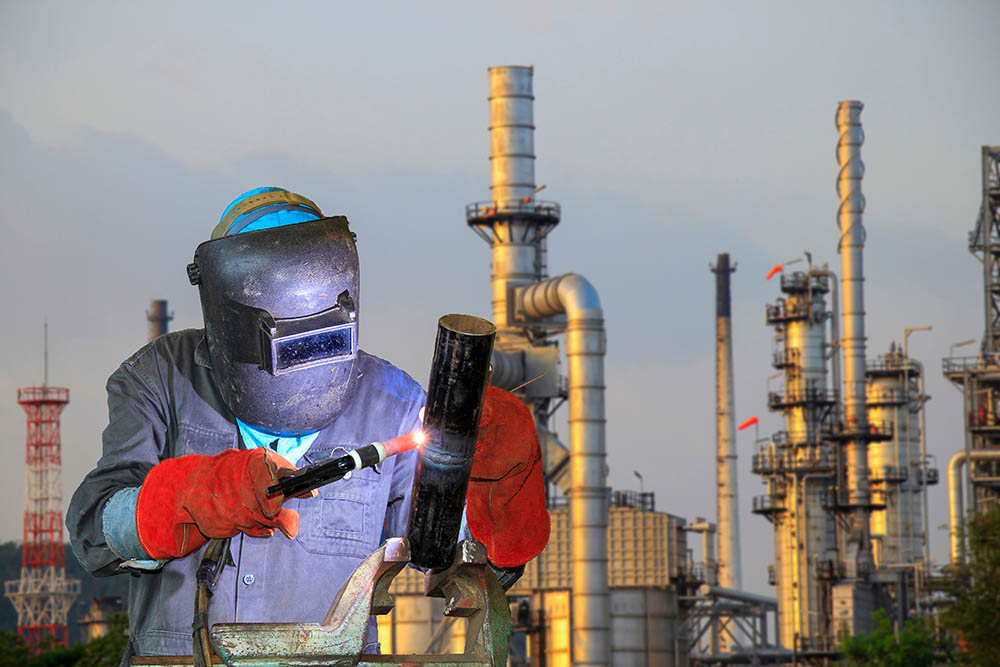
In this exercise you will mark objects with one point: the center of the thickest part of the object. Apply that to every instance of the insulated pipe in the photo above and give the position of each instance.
(851, 246)
(455, 391)
(956, 506)
(727, 487)
(585, 349)
(926, 546)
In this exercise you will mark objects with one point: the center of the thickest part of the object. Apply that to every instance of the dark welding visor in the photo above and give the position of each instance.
(294, 343)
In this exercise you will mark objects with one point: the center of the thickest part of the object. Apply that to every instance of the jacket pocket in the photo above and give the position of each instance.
(343, 519)
(193, 439)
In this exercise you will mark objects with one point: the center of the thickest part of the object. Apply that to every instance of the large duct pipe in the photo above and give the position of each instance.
(585, 349)
(459, 372)
(159, 317)
(727, 490)
(858, 554)
(508, 369)
(956, 506)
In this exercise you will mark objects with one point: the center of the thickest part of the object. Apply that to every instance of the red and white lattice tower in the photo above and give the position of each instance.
(43, 594)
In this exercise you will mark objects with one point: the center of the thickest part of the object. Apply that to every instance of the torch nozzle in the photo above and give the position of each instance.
(404, 443)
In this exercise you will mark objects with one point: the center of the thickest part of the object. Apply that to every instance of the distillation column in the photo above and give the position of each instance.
(798, 466)
(894, 466)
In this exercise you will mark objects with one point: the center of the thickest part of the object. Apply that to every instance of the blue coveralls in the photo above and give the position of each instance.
(163, 402)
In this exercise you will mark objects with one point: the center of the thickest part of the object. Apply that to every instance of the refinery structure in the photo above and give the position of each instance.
(844, 481)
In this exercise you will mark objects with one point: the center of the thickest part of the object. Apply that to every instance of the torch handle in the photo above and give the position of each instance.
(322, 473)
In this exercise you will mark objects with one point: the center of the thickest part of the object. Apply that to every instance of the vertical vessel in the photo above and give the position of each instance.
(798, 465)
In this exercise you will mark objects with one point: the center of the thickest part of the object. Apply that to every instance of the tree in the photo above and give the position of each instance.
(107, 651)
(916, 645)
(104, 651)
(973, 589)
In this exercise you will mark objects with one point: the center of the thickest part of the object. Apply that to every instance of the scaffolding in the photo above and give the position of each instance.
(978, 378)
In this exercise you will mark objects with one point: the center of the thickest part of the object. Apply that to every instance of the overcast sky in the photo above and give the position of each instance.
(669, 132)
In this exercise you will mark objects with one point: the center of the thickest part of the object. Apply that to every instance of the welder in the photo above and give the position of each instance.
(203, 421)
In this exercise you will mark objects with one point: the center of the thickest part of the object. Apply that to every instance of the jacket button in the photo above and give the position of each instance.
(248, 579)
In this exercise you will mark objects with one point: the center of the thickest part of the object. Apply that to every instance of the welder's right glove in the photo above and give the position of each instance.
(506, 498)
(187, 500)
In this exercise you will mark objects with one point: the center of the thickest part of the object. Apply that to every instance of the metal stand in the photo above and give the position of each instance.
(469, 587)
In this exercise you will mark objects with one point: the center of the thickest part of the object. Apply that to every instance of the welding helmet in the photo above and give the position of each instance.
(281, 311)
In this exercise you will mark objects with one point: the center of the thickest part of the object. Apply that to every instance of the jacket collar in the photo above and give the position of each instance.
(201, 355)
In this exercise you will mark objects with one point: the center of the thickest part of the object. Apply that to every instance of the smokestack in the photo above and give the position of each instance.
(159, 318)
(512, 135)
(727, 497)
(852, 241)
(516, 241)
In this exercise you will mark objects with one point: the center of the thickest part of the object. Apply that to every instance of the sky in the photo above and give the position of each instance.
(669, 132)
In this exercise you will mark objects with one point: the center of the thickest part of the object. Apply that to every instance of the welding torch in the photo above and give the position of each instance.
(322, 473)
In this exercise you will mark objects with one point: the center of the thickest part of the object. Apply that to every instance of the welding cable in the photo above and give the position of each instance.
(213, 561)
(319, 474)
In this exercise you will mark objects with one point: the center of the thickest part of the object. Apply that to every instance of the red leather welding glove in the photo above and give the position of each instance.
(187, 500)
(505, 503)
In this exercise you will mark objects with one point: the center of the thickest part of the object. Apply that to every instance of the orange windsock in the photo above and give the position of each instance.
(748, 423)
(777, 268)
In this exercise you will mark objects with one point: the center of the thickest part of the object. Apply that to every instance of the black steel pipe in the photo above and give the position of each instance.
(459, 372)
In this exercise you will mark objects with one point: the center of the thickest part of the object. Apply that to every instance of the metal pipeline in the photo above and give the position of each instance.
(585, 349)
(459, 372)
(727, 489)
(926, 545)
(956, 506)
(834, 327)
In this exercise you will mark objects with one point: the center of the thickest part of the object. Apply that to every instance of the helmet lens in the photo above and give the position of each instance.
(313, 348)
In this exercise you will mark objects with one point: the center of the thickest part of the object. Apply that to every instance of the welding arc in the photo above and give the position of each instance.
(319, 474)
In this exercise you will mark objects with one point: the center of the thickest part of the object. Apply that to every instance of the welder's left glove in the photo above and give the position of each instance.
(506, 498)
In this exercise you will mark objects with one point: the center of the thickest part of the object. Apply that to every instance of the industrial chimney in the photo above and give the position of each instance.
(159, 318)
(727, 489)
(852, 603)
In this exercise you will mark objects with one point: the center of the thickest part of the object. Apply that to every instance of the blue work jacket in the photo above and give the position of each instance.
(163, 402)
